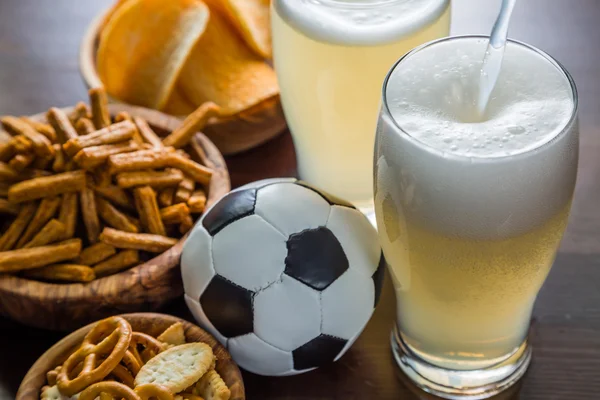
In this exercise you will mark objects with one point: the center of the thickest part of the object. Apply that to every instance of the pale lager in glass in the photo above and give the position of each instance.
(471, 208)
(331, 57)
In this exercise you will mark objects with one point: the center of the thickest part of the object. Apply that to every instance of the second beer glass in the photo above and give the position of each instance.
(331, 57)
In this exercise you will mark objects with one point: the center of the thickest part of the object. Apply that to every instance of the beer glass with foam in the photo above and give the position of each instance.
(331, 57)
(471, 208)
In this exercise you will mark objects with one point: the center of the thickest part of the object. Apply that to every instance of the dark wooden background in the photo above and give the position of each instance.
(39, 42)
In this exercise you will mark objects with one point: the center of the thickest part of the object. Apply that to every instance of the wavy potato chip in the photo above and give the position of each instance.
(222, 69)
(252, 19)
(144, 46)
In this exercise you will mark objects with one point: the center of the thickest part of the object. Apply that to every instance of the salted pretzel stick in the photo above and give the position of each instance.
(117, 263)
(60, 162)
(52, 232)
(44, 213)
(113, 217)
(42, 147)
(7, 151)
(91, 157)
(21, 161)
(184, 190)
(147, 207)
(147, 133)
(12, 234)
(137, 241)
(102, 176)
(61, 124)
(4, 186)
(8, 208)
(21, 144)
(186, 225)
(139, 160)
(22, 259)
(197, 202)
(124, 115)
(114, 133)
(194, 122)
(155, 179)
(81, 110)
(96, 253)
(84, 126)
(99, 105)
(89, 213)
(165, 196)
(47, 186)
(174, 214)
(62, 273)
(68, 214)
(7, 173)
(198, 172)
(115, 195)
(43, 163)
(44, 129)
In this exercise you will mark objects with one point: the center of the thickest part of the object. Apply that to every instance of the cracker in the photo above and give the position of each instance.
(52, 393)
(212, 387)
(178, 367)
(174, 334)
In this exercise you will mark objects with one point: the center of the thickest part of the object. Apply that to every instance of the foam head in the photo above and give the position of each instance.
(359, 22)
(433, 96)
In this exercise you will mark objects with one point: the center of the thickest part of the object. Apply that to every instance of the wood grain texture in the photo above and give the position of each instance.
(147, 286)
(148, 323)
(39, 69)
(248, 130)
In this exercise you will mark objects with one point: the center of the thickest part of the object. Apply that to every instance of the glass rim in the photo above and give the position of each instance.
(358, 3)
(566, 128)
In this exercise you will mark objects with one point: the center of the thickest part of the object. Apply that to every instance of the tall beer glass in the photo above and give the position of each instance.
(331, 57)
(471, 209)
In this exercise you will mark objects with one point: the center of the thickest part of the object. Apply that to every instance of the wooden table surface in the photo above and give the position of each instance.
(39, 42)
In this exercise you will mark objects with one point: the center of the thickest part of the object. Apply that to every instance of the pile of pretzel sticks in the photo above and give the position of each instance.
(83, 196)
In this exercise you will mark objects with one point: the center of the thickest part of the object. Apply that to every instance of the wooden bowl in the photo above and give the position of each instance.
(143, 288)
(152, 324)
(234, 135)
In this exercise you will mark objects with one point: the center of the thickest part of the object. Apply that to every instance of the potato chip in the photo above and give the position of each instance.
(222, 69)
(252, 20)
(144, 46)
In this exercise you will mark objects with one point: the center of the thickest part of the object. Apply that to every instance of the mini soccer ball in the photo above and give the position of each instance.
(282, 274)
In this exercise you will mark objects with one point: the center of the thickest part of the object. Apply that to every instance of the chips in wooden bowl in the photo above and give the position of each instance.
(178, 56)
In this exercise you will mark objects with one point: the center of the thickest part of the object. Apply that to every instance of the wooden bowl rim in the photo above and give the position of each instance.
(72, 338)
(39, 290)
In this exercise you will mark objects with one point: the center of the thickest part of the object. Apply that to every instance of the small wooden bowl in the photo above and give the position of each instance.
(151, 324)
(234, 135)
(146, 287)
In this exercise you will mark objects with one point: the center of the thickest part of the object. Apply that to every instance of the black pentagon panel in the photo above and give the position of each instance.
(315, 257)
(233, 206)
(319, 351)
(228, 307)
(378, 277)
(331, 199)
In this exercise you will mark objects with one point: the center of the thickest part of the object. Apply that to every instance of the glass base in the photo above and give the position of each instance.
(460, 385)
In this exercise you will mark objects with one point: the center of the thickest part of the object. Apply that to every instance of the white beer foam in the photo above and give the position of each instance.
(489, 192)
(433, 97)
(359, 22)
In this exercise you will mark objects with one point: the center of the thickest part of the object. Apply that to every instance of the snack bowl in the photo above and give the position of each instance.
(145, 287)
(232, 135)
(148, 323)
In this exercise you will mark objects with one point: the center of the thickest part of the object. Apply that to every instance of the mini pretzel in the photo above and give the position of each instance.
(123, 375)
(114, 335)
(149, 343)
(149, 391)
(131, 361)
(117, 390)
